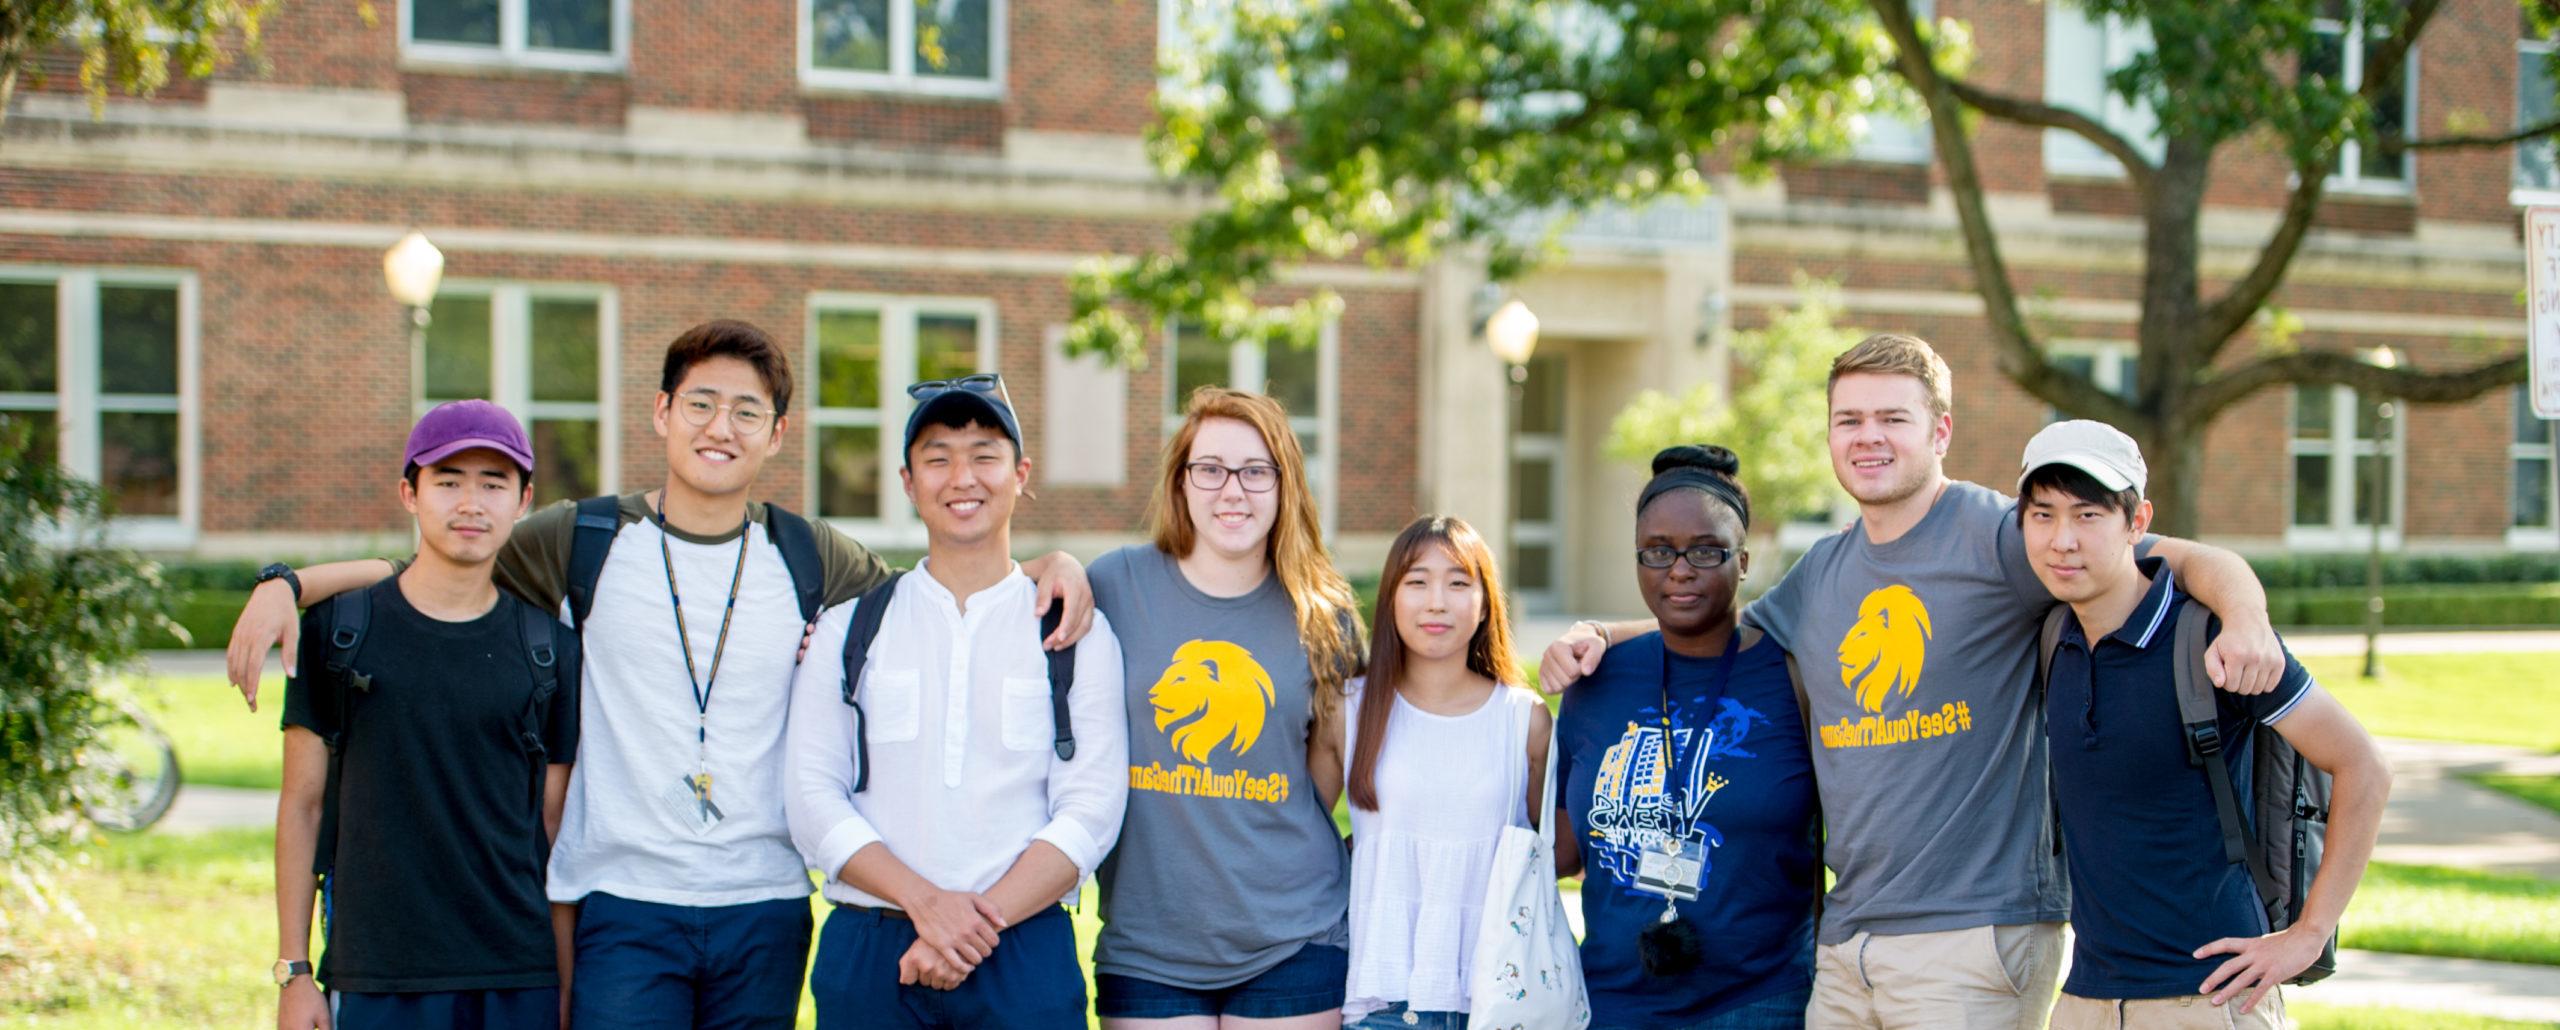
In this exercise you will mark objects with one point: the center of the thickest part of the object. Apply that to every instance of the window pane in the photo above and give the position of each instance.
(2535, 168)
(41, 446)
(852, 35)
(1532, 567)
(946, 346)
(2390, 120)
(2530, 428)
(565, 343)
(848, 359)
(2373, 489)
(457, 358)
(849, 472)
(138, 339)
(2124, 363)
(1542, 396)
(2533, 492)
(2324, 58)
(27, 338)
(2311, 412)
(454, 21)
(1197, 361)
(2368, 417)
(1533, 489)
(138, 462)
(2311, 489)
(1291, 375)
(951, 39)
(568, 461)
(2083, 365)
(569, 25)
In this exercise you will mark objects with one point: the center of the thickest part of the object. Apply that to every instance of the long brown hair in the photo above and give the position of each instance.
(1328, 626)
(1488, 652)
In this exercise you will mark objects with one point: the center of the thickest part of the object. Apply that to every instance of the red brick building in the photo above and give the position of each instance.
(191, 285)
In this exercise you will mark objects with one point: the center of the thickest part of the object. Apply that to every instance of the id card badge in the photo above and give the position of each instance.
(690, 798)
(1671, 869)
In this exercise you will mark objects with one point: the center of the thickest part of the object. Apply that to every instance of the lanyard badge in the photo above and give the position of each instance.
(1675, 868)
(690, 796)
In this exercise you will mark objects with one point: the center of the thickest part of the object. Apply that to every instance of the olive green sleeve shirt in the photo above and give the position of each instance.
(534, 564)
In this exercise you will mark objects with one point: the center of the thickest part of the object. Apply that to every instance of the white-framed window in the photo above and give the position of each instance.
(2537, 163)
(1302, 379)
(573, 35)
(2533, 511)
(947, 47)
(2079, 54)
(2344, 479)
(2108, 364)
(547, 353)
(2361, 166)
(103, 363)
(1892, 140)
(867, 350)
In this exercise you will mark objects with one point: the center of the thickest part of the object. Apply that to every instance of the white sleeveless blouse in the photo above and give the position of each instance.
(1447, 785)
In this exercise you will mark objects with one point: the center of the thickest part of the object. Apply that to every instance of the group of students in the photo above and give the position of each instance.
(529, 781)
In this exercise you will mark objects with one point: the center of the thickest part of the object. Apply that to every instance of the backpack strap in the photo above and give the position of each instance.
(1062, 678)
(798, 541)
(349, 614)
(867, 613)
(2048, 640)
(2203, 723)
(545, 659)
(599, 521)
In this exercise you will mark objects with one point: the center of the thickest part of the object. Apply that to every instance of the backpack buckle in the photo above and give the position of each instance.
(2204, 740)
(360, 681)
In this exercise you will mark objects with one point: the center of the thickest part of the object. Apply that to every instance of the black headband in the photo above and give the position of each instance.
(1693, 477)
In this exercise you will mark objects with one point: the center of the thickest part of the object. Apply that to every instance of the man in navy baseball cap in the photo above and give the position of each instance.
(979, 399)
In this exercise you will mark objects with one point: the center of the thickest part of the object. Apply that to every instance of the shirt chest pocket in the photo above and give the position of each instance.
(892, 709)
(1027, 722)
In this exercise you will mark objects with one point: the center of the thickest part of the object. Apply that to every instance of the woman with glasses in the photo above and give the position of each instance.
(1225, 898)
(1683, 767)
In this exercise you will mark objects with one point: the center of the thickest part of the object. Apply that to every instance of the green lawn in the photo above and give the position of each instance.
(2484, 698)
(220, 741)
(2429, 910)
(2315, 1016)
(2540, 790)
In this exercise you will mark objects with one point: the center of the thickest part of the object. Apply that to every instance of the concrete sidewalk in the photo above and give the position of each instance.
(2438, 818)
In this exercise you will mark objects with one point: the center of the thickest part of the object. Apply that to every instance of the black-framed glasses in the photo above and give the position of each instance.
(987, 383)
(1255, 479)
(746, 417)
(1701, 557)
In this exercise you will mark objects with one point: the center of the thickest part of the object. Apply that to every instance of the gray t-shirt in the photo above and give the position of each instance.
(1227, 865)
(1919, 661)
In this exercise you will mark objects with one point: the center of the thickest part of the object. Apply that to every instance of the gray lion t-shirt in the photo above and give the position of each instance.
(1918, 659)
(1226, 864)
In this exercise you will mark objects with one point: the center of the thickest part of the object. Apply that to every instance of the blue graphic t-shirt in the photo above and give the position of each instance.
(1744, 785)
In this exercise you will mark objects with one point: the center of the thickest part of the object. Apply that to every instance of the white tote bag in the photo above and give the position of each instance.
(1527, 972)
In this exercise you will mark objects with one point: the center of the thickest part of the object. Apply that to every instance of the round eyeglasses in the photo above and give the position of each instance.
(746, 418)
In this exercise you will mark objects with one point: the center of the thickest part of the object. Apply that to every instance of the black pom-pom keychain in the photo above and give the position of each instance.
(1670, 946)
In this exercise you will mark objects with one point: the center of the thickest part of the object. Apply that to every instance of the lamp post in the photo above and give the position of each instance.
(412, 269)
(2386, 358)
(1510, 330)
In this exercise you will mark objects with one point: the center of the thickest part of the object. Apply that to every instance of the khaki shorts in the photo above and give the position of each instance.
(1981, 978)
(2184, 1012)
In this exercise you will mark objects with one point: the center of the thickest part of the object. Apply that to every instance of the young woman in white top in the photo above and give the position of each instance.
(1440, 748)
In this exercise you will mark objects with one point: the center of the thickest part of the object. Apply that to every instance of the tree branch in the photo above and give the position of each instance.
(2028, 112)
(2230, 313)
(2345, 369)
(2394, 145)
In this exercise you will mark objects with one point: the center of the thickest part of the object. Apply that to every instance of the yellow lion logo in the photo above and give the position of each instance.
(1222, 684)
(1885, 650)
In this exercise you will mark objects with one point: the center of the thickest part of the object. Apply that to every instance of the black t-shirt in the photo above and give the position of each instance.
(438, 882)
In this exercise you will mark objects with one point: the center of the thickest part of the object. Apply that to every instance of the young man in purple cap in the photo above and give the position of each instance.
(2156, 902)
(427, 744)
(953, 814)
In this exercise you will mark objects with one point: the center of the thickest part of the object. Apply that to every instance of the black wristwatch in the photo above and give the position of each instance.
(286, 969)
(280, 570)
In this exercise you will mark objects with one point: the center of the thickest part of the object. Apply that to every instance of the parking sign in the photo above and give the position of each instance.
(2542, 315)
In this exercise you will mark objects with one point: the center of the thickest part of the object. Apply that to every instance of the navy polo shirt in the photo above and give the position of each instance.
(2149, 883)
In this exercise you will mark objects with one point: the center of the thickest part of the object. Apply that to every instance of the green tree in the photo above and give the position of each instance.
(129, 45)
(71, 609)
(1395, 129)
(1786, 457)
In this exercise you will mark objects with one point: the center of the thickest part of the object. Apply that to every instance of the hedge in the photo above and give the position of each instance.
(2347, 569)
(2490, 604)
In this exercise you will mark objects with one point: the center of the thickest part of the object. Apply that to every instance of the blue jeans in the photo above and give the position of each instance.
(1399, 1017)
(1031, 981)
(645, 965)
(529, 1008)
(1305, 983)
(1781, 1011)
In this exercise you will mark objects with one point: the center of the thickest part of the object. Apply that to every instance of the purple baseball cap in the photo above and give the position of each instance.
(457, 426)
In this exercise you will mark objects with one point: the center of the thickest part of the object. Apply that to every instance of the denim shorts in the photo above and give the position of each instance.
(1398, 1017)
(1305, 983)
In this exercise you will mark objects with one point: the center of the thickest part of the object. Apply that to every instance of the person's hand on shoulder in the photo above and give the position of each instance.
(270, 618)
(1572, 656)
(1062, 580)
(2246, 657)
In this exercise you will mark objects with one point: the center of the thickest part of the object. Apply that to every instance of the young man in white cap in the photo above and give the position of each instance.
(2156, 903)
(426, 753)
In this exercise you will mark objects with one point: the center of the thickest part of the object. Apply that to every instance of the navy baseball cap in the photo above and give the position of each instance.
(977, 398)
(457, 426)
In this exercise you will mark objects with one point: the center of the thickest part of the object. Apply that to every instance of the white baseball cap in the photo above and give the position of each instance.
(2099, 449)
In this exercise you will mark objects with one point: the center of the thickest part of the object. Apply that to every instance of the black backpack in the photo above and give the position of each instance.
(600, 520)
(342, 685)
(2289, 797)
(867, 613)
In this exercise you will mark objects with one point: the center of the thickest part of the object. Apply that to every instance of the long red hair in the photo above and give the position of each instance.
(1488, 651)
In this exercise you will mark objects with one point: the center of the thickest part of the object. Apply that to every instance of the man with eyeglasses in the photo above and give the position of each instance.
(674, 858)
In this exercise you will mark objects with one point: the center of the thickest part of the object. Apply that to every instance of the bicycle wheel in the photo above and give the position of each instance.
(129, 775)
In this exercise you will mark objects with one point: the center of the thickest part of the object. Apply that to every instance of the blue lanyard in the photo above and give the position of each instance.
(701, 685)
(1675, 777)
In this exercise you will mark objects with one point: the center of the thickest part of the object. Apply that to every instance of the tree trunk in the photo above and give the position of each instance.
(2175, 454)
